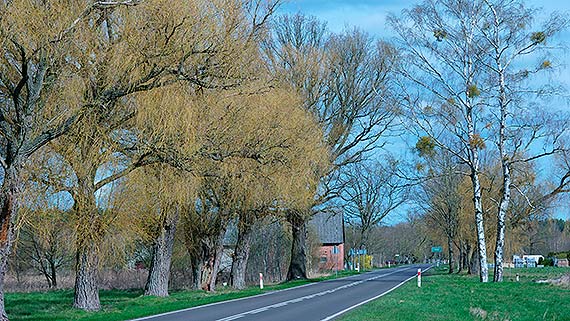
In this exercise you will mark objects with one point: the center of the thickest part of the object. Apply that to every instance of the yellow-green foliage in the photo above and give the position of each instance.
(425, 146)
(473, 91)
(272, 147)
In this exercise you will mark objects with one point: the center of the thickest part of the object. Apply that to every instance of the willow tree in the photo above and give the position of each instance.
(35, 75)
(68, 61)
(157, 194)
(271, 150)
(291, 156)
(45, 236)
(345, 83)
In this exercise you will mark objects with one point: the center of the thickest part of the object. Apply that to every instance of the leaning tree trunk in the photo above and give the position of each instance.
(450, 253)
(241, 255)
(86, 290)
(8, 214)
(298, 265)
(159, 274)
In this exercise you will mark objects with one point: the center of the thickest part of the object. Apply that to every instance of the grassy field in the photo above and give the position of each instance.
(123, 305)
(463, 297)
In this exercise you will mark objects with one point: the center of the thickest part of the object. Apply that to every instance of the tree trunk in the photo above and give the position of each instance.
(197, 266)
(53, 270)
(467, 259)
(4, 253)
(218, 253)
(8, 214)
(501, 226)
(86, 290)
(89, 234)
(460, 264)
(159, 274)
(474, 262)
(450, 252)
(241, 255)
(298, 265)
(481, 242)
(506, 190)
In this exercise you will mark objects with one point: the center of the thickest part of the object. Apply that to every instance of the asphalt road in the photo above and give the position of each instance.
(316, 301)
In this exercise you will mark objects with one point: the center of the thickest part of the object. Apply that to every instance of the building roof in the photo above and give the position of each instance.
(329, 226)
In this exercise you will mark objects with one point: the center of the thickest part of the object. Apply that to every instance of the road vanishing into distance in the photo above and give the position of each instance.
(312, 302)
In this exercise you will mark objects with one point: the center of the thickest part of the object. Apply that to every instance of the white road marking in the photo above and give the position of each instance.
(307, 297)
(226, 301)
(281, 304)
(371, 299)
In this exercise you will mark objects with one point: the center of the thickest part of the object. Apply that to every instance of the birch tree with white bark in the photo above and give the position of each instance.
(441, 77)
(517, 56)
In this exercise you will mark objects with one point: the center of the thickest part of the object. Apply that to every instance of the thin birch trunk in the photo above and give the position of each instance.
(506, 188)
(481, 242)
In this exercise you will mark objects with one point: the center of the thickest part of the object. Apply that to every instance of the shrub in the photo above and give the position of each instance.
(547, 261)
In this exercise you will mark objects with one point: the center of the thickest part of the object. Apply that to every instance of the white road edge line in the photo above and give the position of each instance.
(306, 297)
(371, 299)
(239, 299)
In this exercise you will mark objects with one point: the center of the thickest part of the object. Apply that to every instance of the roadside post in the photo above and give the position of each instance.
(419, 278)
(261, 281)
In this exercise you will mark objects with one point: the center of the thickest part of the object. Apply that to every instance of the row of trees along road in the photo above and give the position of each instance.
(137, 121)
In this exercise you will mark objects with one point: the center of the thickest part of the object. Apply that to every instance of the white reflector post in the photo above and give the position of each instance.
(419, 278)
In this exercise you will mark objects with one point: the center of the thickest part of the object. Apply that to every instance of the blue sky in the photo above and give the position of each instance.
(370, 16)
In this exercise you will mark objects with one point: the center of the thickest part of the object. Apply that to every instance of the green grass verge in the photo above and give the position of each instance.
(129, 304)
(463, 297)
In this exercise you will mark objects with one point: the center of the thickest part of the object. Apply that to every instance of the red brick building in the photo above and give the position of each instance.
(329, 226)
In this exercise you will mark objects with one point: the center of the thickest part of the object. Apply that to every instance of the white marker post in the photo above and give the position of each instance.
(419, 278)
(261, 281)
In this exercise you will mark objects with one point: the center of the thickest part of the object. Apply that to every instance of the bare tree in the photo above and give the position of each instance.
(370, 194)
(441, 199)
(344, 81)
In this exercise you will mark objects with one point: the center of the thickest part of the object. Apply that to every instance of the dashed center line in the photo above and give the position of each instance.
(307, 297)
